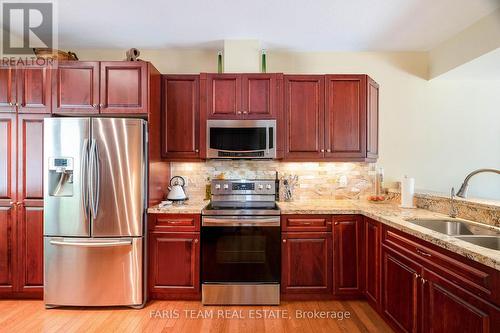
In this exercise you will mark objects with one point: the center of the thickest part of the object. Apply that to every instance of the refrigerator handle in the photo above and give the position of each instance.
(92, 244)
(84, 177)
(98, 178)
(91, 182)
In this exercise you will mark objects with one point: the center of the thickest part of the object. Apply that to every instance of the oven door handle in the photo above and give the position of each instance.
(236, 221)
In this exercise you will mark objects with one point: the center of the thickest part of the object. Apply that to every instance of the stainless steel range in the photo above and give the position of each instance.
(240, 241)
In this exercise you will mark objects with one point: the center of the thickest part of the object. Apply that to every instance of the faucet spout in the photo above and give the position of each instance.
(462, 192)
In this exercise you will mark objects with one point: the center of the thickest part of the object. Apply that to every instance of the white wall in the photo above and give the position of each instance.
(436, 131)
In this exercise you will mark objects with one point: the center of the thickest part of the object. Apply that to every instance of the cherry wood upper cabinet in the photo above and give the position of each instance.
(402, 291)
(241, 96)
(259, 96)
(331, 118)
(345, 116)
(34, 90)
(7, 159)
(7, 237)
(372, 261)
(174, 265)
(76, 87)
(180, 117)
(307, 263)
(304, 117)
(124, 87)
(347, 242)
(372, 120)
(224, 96)
(7, 89)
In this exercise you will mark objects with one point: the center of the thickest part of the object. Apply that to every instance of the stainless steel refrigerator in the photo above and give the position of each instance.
(95, 204)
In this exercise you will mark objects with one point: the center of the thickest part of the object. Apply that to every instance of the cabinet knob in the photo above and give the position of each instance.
(95, 105)
(416, 276)
(328, 150)
(284, 240)
(424, 281)
(11, 104)
(245, 112)
(322, 150)
(101, 105)
(196, 240)
(239, 112)
(336, 223)
(12, 203)
(196, 150)
(17, 104)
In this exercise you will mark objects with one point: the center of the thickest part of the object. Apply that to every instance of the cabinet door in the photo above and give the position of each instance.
(347, 255)
(345, 116)
(7, 159)
(7, 237)
(448, 309)
(124, 87)
(258, 96)
(30, 197)
(372, 261)
(30, 250)
(30, 158)
(181, 117)
(174, 265)
(75, 88)
(224, 96)
(401, 288)
(306, 263)
(7, 89)
(34, 90)
(304, 117)
(372, 121)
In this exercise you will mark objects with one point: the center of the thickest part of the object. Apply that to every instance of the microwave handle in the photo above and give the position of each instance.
(239, 151)
(267, 140)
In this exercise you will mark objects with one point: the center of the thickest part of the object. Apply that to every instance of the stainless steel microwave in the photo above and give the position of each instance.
(235, 139)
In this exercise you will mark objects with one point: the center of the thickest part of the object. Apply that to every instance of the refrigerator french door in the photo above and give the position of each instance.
(95, 200)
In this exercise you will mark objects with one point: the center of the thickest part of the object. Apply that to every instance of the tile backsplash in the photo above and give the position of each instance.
(317, 180)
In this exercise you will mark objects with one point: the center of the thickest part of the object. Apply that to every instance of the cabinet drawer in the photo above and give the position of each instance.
(174, 222)
(306, 222)
(472, 276)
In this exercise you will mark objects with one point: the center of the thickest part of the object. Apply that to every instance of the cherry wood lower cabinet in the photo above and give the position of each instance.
(372, 261)
(428, 289)
(449, 309)
(401, 289)
(347, 254)
(174, 256)
(306, 270)
(7, 249)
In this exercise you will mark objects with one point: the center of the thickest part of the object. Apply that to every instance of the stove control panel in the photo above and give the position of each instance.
(243, 186)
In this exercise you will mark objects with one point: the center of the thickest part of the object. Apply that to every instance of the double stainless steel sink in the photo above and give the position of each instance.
(472, 233)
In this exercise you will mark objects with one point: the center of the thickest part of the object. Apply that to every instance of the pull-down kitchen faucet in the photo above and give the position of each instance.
(462, 192)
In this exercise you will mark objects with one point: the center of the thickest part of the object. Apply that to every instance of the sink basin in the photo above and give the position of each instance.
(490, 242)
(453, 227)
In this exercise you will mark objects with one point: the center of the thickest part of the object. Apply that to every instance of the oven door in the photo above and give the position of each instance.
(240, 249)
(241, 138)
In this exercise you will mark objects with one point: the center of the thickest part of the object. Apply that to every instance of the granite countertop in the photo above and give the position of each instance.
(387, 213)
(394, 216)
(188, 207)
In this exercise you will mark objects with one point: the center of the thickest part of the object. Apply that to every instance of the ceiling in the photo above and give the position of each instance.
(318, 25)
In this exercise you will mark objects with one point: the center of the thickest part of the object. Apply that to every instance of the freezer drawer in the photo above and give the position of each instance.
(93, 272)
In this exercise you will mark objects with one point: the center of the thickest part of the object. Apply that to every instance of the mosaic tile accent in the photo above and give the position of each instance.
(317, 180)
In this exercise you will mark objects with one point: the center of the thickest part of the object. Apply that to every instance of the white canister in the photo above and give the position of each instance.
(407, 192)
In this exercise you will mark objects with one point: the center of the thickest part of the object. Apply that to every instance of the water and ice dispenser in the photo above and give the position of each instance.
(61, 176)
